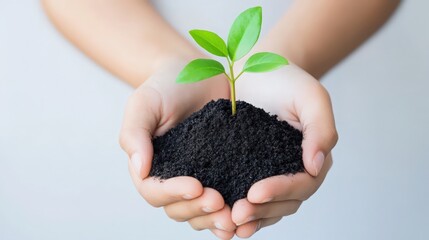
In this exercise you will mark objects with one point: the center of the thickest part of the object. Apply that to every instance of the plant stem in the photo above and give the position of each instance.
(238, 76)
(233, 104)
(232, 87)
(227, 77)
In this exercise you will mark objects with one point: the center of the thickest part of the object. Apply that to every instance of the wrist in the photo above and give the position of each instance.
(181, 57)
(165, 62)
(294, 52)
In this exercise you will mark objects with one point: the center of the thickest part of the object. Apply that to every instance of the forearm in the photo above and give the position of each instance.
(316, 35)
(127, 37)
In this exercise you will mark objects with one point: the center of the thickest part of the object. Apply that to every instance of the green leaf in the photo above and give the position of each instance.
(244, 33)
(210, 41)
(264, 62)
(200, 69)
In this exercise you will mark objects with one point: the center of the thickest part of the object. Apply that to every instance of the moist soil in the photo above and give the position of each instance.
(228, 153)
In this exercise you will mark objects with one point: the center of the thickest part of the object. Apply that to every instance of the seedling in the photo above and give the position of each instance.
(243, 35)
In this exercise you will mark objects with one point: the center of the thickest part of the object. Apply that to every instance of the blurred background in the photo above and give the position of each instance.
(64, 176)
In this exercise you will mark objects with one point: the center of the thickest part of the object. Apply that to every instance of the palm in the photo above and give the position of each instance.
(278, 92)
(174, 102)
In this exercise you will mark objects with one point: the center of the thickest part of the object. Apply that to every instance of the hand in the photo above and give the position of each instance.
(155, 107)
(303, 102)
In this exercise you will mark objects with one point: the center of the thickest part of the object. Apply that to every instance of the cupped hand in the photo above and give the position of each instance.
(156, 106)
(303, 102)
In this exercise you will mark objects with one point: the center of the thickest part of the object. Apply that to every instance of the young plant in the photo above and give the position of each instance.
(243, 35)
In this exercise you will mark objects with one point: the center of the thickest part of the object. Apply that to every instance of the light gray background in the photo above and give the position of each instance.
(63, 175)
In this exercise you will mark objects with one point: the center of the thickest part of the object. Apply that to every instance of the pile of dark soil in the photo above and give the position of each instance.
(228, 153)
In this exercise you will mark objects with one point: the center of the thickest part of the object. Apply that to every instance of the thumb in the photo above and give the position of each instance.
(140, 121)
(137, 144)
(317, 144)
(320, 134)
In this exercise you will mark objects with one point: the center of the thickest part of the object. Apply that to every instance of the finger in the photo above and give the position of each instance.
(218, 220)
(248, 229)
(141, 117)
(318, 125)
(244, 211)
(160, 193)
(224, 235)
(288, 187)
(210, 201)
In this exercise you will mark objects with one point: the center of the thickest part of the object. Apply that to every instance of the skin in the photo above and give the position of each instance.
(130, 40)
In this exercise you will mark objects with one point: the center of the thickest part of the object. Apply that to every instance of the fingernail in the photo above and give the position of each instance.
(188, 196)
(207, 210)
(137, 162)
(258, 226)
(219, 226)
(248, 219)
(267, 200)
(318, 162)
